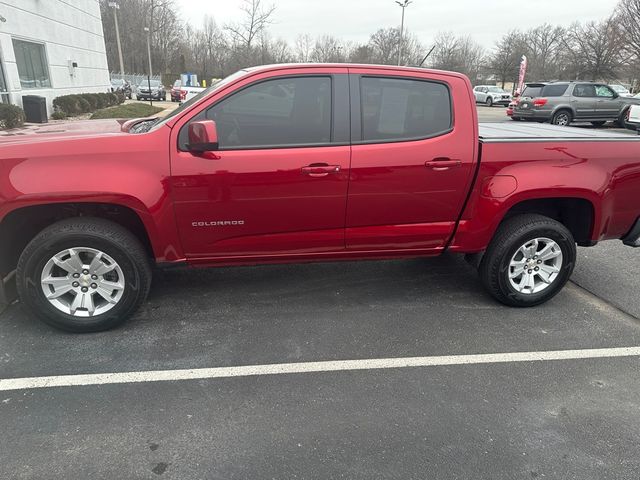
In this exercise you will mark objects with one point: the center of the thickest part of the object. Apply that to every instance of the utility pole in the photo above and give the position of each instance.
(404, 4)
(148, 30)
(116, 7)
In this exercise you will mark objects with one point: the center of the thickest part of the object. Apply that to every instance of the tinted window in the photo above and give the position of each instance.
(584, 90)
(554, 90)
(496, 90)
(32, 68)
(394, 109)
(533, 91)
(285, 111)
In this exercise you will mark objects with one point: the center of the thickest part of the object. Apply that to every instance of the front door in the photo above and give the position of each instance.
(608, 104)
(413, 158)
(279, 184)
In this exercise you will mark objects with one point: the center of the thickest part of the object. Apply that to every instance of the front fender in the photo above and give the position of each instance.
(127, 170)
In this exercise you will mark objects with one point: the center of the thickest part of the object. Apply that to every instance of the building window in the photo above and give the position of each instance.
(32, 66)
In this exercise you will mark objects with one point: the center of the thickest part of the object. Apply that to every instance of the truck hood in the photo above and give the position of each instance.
(80, 128)
(64, 130)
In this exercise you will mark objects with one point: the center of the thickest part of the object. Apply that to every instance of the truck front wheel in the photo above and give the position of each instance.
(528, 261)
(83, 275)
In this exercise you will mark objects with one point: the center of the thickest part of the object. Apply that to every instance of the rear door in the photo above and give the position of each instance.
(413, 155)
(583, 100)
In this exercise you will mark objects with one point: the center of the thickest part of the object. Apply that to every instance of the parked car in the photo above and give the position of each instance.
(633, 118)
(491, 95)
(531, 90)
(181, 93)
(175, 93)
(120, 85)
(621, 90)
(390, 162)
(157, 91)
(564, 102)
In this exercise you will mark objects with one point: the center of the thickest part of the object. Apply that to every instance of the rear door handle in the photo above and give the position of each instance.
(442, 163)
(320, 169)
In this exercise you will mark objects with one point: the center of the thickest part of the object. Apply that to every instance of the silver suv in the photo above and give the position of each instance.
(491, 95)
(564, 102)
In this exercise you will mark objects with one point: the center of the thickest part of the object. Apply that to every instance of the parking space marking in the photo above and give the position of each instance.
(308, 367)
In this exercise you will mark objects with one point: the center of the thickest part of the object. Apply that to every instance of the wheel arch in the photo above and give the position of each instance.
(22, 224)
(576, 212)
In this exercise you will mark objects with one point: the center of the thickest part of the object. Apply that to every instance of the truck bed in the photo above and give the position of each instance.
(536, 132)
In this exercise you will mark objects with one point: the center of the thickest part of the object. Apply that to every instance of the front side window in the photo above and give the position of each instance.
(604, 91)
(403, 109)
(280, 112)
(32, 66)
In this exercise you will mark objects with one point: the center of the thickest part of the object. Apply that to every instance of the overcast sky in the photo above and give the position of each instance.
(485, 20)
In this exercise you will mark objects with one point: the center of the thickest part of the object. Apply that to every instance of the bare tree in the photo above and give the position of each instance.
(505, 60)
(545, 45)
(328, 49)
(594, 50)
(304, 48)
(628, 16)
(384, 47)
(256, 19)
(458, 54)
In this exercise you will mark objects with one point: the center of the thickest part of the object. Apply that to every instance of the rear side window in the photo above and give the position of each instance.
(280, 112)
(554, 90)
(532, 91)
(403, 109)
(584, 90)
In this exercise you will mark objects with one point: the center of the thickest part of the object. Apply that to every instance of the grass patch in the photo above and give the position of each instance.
(129, 110)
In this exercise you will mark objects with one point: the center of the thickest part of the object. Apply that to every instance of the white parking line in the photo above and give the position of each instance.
(308, 367)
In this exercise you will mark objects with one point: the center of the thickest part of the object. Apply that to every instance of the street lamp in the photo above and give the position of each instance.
(404, 4)
(146, 29)
(116, 7)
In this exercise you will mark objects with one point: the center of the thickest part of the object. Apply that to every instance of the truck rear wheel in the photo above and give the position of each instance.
(83, 275)
(528, 261)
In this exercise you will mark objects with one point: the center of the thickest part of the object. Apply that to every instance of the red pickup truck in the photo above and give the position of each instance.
(298, 163)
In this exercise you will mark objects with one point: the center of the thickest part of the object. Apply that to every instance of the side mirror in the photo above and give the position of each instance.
(203, 136)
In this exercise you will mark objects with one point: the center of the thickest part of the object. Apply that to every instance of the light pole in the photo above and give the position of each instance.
(404, 4)
(116, 7)
(146, 29)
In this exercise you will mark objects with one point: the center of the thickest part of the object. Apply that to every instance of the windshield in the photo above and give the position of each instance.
(619, 88)
(497, 89)
(225, 81)
(145, 83)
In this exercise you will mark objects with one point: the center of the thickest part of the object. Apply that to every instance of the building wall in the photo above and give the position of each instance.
(71, 31)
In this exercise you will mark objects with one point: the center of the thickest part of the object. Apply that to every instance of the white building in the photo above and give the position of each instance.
(51, 48)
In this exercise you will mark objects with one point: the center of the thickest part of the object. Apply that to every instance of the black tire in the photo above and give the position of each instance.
(622, 120)
(512, 234)
(562, 118)
(489, 102)
(598, 124)
(108, 237)
(516, 119)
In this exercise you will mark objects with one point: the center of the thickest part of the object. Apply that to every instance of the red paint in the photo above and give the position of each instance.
(322, 202)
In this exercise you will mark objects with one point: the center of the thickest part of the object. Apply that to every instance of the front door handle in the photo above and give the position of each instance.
(320, 169)
(442, 163)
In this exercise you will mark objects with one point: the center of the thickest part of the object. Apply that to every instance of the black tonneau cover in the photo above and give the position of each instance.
(540, 132)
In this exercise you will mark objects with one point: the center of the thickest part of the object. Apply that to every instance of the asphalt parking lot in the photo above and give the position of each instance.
(456, 415)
